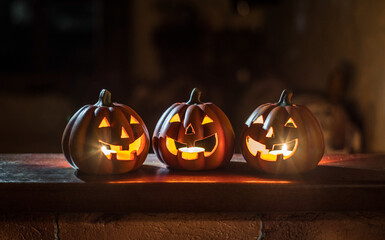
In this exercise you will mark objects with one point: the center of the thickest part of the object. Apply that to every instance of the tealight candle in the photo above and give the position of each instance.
(107, 152)
(191, 153)
(283, 151)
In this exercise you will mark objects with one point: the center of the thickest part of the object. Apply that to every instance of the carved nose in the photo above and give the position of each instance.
(190, 130)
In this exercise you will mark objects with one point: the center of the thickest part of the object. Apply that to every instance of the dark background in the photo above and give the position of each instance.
(56, 56)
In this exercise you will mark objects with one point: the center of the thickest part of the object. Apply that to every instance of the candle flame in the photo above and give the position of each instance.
(284, 148)
(283, 151)
(107, 151)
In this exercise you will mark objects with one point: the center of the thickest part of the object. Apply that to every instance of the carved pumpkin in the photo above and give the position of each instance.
(282, 138)
(194, 136)
(105, 138)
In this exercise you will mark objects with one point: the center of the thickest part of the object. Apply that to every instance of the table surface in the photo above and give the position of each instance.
(46, 182)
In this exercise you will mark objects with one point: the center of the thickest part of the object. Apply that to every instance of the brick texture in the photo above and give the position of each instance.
(27, 227)
(317, 226)
(324, 226)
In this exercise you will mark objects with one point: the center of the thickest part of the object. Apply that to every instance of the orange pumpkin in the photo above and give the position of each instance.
(194, 136)
(282, 138)
(105, 138)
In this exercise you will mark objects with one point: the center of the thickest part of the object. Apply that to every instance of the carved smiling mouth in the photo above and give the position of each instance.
(207, 146)
(115, 151)
(285, 149)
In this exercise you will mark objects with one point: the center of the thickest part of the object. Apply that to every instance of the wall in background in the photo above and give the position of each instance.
(56, 56)
(314, 37)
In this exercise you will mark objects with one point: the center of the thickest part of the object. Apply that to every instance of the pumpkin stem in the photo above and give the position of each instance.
(285, 99)
(195, 97)
(104, 98)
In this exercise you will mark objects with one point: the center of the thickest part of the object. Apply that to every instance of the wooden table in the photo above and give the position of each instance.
(46, 183)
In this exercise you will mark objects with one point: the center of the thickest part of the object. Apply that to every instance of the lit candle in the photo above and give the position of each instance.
(107, 152)
(191, 149)
(191, 153)
(283, 151)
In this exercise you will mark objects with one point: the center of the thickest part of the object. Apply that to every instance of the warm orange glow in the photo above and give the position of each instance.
(138, 145)
(199, 181)
(207, 154)
(270, 133)
(259, 120)
(206, 120)
(254, 147)
(191, 153)
(124, 133)
(175, 118)
(170, 144)
(191, 181)
(190, 130)
(104, 123)
(107, 152)
(283, 151)
(268, 181)
(123, 155)
(290, 123)
(133, 120)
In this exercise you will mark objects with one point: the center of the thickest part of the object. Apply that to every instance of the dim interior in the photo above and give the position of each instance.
(56, 56)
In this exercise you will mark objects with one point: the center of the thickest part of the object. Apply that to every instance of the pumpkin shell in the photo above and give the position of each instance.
(80, 141)
(192, 112)
(310, 147)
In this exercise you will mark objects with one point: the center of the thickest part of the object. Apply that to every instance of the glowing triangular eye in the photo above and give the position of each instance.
(259, 120)
(206, 120)
(270, 133)
(290, 123)
(175, 118)
(124, 133)
(104, 123)
(133, 120)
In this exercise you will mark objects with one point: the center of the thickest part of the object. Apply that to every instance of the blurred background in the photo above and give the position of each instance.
(56, 56)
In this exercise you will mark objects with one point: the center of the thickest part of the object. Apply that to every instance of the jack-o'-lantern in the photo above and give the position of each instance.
(282, 138)
(194, 136)
(105, 138)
